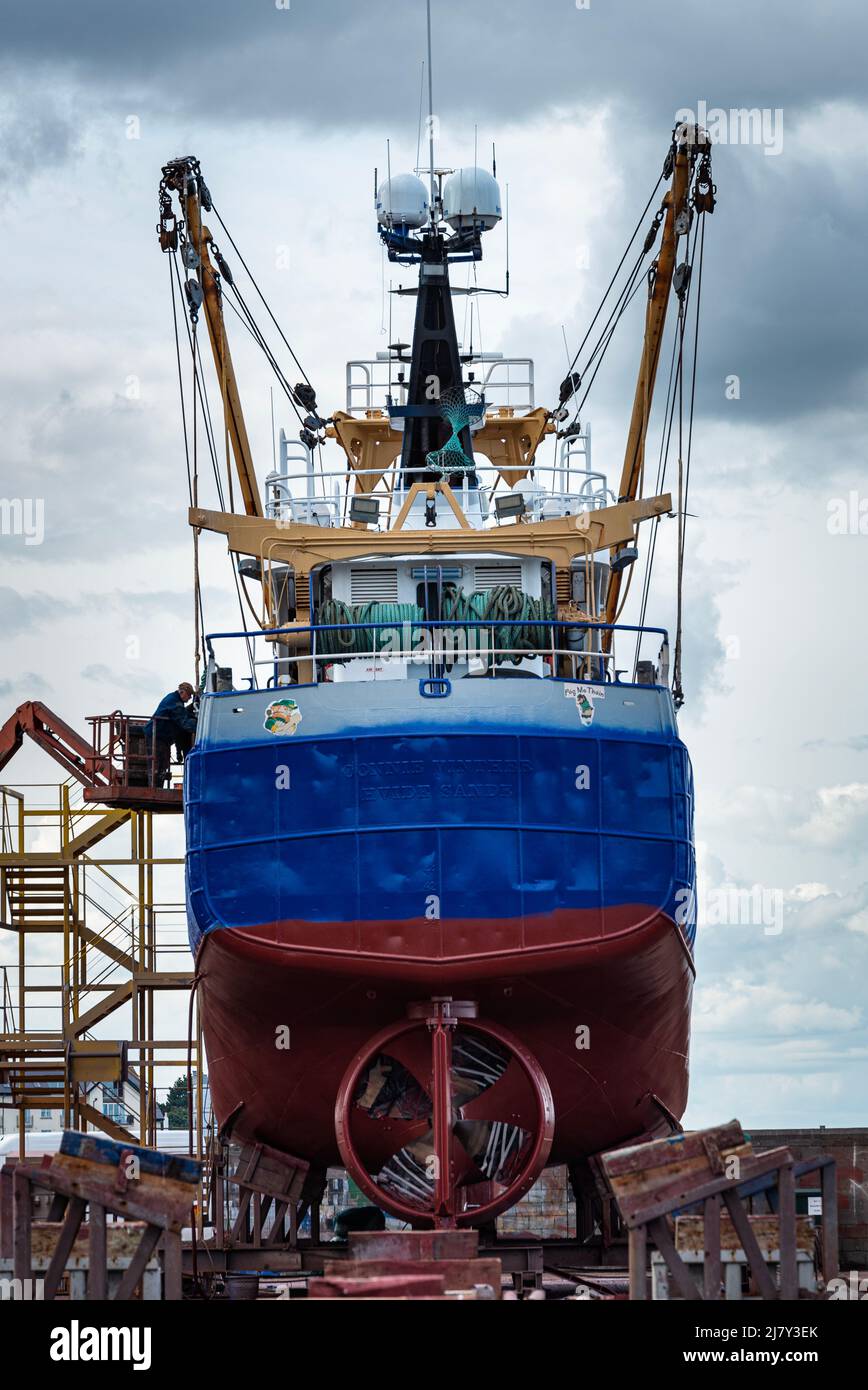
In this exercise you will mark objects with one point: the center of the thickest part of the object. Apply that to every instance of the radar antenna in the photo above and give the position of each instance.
(430, 116)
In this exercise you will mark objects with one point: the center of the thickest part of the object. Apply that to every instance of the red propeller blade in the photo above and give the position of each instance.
(413, 1051)
(377, 1140)
(510, 1099)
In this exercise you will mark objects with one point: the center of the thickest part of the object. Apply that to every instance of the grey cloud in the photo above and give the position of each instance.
(329, 61)
(121, 680)
(784, 1013)
(831, 909)
(704, 655)
(794, 337)
(84, 460)
(30, 612)
(28, 683)
(23, 612)
(858, 743)
(34, 136)
(150, 604)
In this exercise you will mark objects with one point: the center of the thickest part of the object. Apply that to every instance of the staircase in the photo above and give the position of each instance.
(38, 897)
(85, 928)
(40, 894)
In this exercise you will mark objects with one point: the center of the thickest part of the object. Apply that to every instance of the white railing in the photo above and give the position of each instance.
(299, 490)
(371, 381)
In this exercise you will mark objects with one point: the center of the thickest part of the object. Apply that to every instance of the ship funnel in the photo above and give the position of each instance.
(402, 201)
(471, 198)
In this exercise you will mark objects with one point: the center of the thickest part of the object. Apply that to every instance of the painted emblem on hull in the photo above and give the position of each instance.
(584, 696)
(282, 717)
(585, 706)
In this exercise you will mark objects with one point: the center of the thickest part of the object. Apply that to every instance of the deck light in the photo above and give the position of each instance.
(510, 505)
(365, 509)
(627, 556)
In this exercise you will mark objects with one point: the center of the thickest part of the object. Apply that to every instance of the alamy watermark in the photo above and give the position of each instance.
(77, 1343)
(22, 1290)
(853, 1286)
(23, 516)
(740, 125)
(729, 906)
(847, 516)
(409, 642)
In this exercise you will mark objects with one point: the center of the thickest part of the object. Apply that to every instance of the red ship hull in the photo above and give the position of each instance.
(287, 1006)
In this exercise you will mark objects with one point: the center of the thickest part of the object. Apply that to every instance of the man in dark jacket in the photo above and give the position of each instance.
(173, 721)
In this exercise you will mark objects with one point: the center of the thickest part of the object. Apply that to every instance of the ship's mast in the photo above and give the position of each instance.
(435, 368)
(431, 118)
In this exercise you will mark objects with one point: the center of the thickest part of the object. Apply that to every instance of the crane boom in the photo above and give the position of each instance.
(182, 176)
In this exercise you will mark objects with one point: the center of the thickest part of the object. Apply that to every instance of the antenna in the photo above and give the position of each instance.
(419, 131)
(507, 236)
(389, 178)
(430, 113)
(566, 349)
(390, 341)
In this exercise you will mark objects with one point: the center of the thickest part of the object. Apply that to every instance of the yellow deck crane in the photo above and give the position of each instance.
(203, 288)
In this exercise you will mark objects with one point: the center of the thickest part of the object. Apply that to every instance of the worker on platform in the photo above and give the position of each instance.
(173, 722)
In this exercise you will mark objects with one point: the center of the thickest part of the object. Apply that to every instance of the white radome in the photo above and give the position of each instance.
(402, 201)
(471, 197)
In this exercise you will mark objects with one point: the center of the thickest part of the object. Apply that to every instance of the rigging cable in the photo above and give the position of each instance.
(195, 502)
(630, 289)
(622, 302)
(246, 317)
(662, 460)
(261, 296)
(225, 398)
(209, 431)
(204, 401)
(200, 394)
(248, 321)
(198, 615)
(616, 272)
(678, 692)
(673, 398)
(200, 397)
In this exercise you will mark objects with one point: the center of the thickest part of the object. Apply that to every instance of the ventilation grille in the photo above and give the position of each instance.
(489, 576)
(373, 585)
(564, 585)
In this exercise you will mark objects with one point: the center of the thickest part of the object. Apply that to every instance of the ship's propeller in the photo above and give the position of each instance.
(444, 1121)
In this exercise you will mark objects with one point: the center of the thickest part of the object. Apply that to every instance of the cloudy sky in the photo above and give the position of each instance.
(289, 107)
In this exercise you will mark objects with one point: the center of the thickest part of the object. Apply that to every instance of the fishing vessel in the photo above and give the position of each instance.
(440, 865)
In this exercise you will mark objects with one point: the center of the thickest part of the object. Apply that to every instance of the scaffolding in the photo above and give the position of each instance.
(96, 912)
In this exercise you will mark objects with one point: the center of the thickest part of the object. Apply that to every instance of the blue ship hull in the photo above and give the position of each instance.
(491, 845)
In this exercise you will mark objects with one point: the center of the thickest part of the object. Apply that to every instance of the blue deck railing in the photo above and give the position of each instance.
(432, 648)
